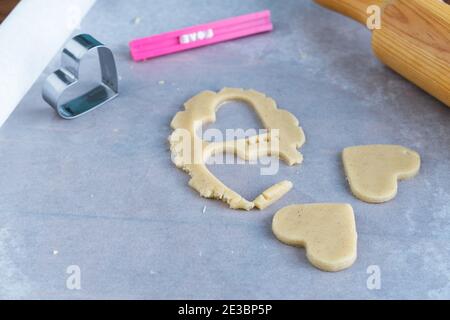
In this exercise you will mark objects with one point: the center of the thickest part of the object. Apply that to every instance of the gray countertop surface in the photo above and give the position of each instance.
(101, 193)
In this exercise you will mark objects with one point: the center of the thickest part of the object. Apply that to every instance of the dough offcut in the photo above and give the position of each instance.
(373, 171)
(327, 231)
(190, 152)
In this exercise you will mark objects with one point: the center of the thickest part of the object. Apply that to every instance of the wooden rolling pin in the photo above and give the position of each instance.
(6, 7)
(414, 39)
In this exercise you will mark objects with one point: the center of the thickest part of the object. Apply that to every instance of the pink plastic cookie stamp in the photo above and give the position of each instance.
(200, 36)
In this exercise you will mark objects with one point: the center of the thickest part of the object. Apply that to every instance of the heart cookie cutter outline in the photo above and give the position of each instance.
(68, 75)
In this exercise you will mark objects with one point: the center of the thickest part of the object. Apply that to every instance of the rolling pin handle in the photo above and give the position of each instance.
(355, 9)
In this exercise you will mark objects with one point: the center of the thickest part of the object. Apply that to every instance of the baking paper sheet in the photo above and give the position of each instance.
(102, 191)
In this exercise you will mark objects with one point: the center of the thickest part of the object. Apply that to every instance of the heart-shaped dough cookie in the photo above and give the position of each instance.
(373, 171)
(327, 231)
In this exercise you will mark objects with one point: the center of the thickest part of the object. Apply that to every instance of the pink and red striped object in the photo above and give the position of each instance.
(199, 36)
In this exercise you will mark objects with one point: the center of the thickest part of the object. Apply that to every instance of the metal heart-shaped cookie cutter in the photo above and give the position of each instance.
(68, 75)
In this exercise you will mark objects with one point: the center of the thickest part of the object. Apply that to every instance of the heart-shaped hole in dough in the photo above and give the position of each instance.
(238, 120)
(235, 120)
(250, 182)
(326, 231)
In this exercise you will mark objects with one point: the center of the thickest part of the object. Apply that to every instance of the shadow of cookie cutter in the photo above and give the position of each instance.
(68, 75)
